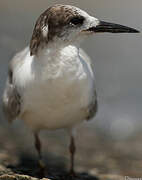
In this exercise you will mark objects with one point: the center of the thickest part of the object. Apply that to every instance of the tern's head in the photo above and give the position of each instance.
(65, 24)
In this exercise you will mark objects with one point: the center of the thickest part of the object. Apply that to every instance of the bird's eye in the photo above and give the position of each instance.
(77, 20)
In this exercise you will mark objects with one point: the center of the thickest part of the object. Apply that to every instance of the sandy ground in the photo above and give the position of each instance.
(98, 157)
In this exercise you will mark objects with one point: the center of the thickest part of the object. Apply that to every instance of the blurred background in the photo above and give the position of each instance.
(112, 142)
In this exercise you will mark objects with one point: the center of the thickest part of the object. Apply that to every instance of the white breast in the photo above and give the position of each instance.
(57, 90)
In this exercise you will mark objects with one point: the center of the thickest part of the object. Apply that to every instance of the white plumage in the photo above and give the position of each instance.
(56, 89)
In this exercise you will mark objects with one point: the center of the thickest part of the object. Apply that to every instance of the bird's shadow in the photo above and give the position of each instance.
(28, 166)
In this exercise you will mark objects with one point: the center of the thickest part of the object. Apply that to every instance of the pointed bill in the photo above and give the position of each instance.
(111, 28)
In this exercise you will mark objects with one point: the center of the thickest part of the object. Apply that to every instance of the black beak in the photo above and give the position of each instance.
(112, 28)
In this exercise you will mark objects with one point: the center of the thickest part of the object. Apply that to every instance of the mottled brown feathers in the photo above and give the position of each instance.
(11, 99)
(56, 18)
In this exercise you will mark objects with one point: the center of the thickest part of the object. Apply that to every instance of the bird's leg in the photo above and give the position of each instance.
(72, 153)
(38, 148)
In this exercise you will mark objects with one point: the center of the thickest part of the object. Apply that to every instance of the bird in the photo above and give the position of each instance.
(51, 83)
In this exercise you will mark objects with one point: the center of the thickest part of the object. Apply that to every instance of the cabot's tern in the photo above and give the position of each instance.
(50, 83)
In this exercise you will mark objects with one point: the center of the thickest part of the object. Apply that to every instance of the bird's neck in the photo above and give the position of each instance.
(53, 63)
(55, 54)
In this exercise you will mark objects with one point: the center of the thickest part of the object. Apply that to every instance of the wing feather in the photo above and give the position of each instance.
(93, 107)
(11, 99)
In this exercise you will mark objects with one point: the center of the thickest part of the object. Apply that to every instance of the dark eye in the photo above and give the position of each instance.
(77, 20)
